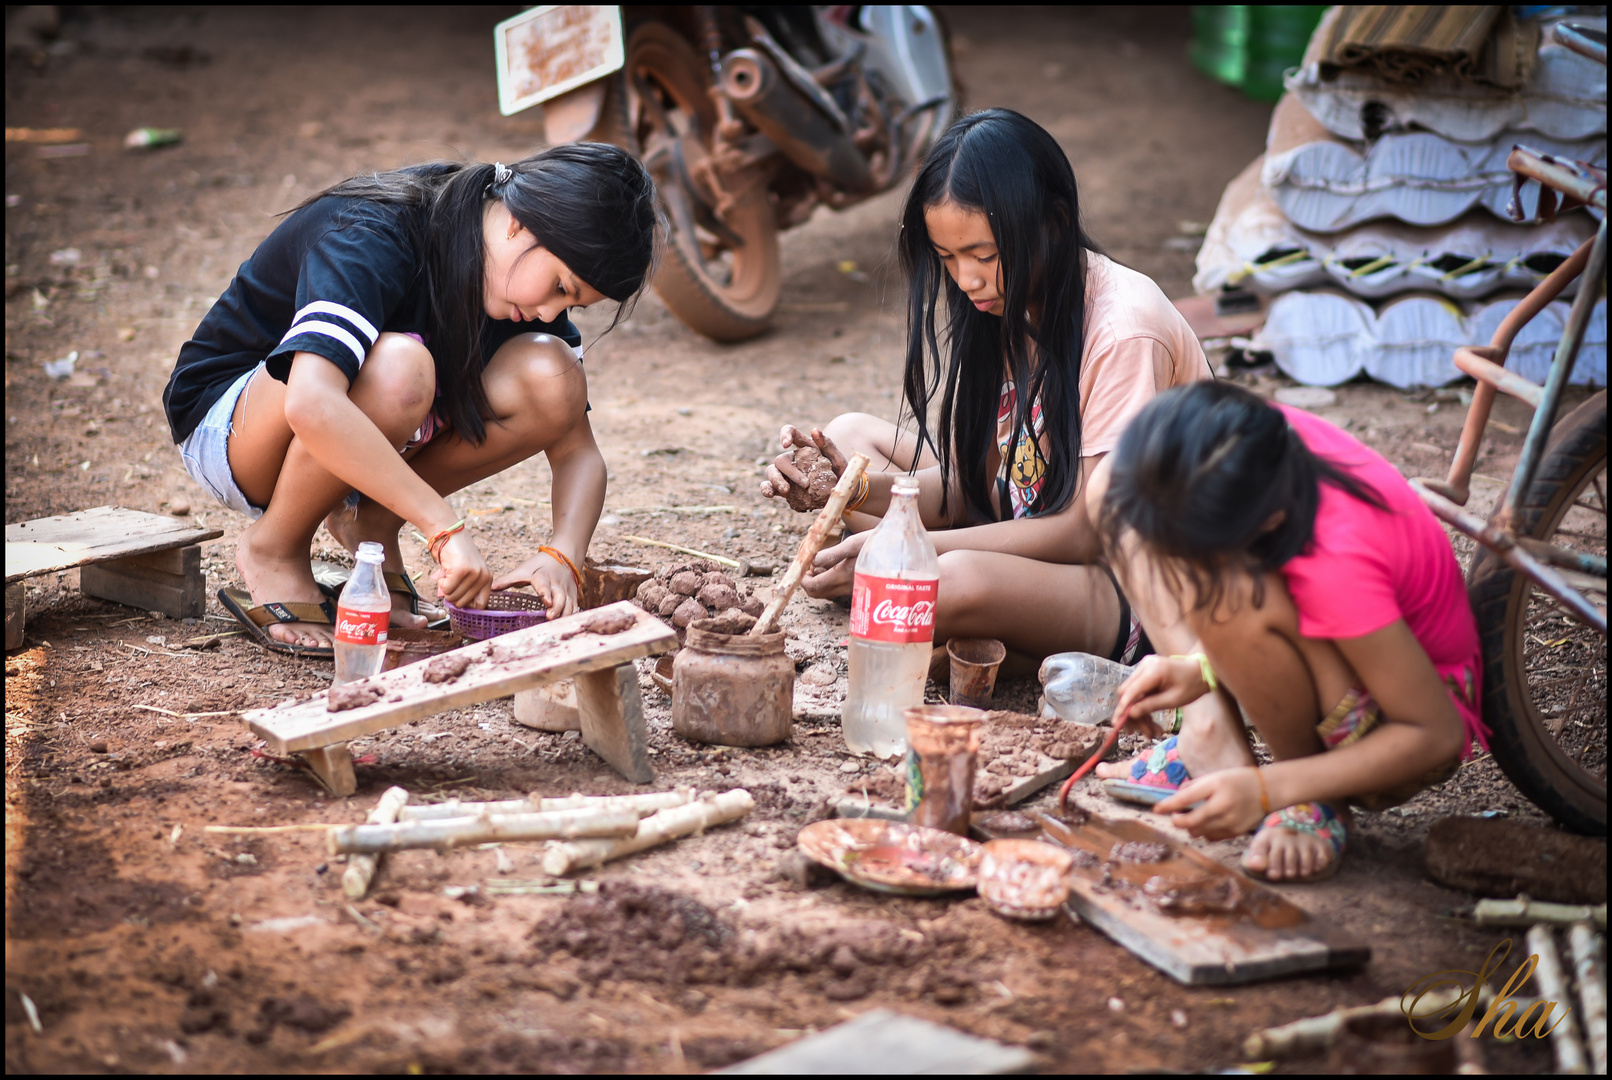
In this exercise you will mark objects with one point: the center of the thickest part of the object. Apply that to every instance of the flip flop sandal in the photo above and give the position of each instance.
(1154, 778)
(256, 618)
(1317, 819)
(330, 577)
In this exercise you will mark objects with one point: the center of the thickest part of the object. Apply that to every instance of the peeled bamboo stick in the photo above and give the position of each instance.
(1564, 1037)
(645, 804)
(1525, 912)
(654, 830)
(361, 869)
(812, 544)
(1590, 972)
(484, 829)
(1315, 1033)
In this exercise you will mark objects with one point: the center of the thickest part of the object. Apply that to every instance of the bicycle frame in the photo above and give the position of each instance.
(1554, 569)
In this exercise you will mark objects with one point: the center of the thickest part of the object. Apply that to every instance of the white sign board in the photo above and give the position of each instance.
(544, 52)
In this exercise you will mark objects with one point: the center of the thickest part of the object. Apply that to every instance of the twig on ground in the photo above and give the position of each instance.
(656, 829)
(487, 828)
(185, 715)
(1591, 976)
(1564, 1037)
(698, 554)
(1525, 912)
(645, 804)
(355, 880)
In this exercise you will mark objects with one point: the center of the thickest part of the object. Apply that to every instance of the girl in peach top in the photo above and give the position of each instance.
(1039, 349)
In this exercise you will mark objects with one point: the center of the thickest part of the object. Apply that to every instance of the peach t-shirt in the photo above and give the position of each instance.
(1136, 345)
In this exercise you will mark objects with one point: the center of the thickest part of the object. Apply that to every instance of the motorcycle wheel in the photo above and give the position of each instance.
(725, 287)
(1544, 672)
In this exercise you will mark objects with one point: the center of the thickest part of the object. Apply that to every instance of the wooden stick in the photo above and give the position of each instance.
(1591, 976)
(1564, 1037)
(723, 559)
(1525, 912)
(1316, 1033)
(355, 880)
(185, 715)
(484, 829)
(657, 829)
(644, 804)
(813, 543)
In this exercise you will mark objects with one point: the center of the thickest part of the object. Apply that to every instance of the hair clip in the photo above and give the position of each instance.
(502, 174)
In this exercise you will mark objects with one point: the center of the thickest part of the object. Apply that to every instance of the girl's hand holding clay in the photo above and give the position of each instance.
(1230, 804)
(463, 578)
(805, 474)
(550, 579)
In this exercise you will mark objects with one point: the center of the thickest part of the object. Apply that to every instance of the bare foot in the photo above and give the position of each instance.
(1117, 770)
(351, 529)
(1289, 854)
(272, 577)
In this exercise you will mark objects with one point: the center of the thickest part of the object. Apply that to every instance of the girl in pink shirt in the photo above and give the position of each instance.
(1328, 608)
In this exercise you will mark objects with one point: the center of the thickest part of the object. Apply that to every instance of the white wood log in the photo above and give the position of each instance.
(484, 829)
(1316, 1033)
(1525, 912)
(1590, 971)
(646, 804)
(355, 880)
(654, 830)
(1564, 1037)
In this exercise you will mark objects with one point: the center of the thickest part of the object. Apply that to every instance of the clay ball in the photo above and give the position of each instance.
(650, 594)
(689, 610)
(669, 603)
(686, 583)
(820, 480)
(752, 605)
(718, 597)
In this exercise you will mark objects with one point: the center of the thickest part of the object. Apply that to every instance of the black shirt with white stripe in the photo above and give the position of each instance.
(329, 279)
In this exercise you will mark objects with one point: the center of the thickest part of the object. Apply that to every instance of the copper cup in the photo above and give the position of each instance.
(973, 670)
(943, 744)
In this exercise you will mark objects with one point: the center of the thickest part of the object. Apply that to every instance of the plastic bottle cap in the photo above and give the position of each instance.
(369, 551)
(904, 484)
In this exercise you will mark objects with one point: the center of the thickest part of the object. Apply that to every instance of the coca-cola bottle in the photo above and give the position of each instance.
(362, 614)
(892, 626)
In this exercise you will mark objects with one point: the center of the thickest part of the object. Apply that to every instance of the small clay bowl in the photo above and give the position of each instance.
(405, 646)
(662, 674)
(1024, 879)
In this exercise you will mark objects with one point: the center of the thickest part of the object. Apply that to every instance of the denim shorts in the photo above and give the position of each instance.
(206, 451)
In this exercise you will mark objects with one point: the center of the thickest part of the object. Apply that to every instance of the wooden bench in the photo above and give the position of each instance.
(608, 700)
(148, 561)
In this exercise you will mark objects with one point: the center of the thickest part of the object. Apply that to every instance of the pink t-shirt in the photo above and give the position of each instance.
(1366, 568)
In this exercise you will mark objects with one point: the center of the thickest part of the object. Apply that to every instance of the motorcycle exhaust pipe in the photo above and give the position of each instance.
(797, 127)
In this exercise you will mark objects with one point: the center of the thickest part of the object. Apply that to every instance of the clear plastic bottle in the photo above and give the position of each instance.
(1081, 688)
(892, 626)
(362, 615)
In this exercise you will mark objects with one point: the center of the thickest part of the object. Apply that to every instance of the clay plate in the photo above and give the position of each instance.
(893, 856)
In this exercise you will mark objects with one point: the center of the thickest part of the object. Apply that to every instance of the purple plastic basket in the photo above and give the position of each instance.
(505, 612)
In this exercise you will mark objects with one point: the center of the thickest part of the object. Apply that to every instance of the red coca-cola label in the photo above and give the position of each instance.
(361, 627)
(898, 610)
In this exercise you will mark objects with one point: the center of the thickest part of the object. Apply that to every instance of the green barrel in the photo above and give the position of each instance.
(1250, 46)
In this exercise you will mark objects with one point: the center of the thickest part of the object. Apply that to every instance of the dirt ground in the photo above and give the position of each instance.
(148, 945)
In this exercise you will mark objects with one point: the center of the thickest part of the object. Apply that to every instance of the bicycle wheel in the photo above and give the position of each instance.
(1544, 672)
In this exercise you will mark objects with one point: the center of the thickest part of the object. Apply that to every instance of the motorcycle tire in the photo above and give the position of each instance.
(1510, 612)
(726, 292)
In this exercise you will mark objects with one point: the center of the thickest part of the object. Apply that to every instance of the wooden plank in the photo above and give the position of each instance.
(16, 615)
(612, 714)
(144, 582)
(333, 765)
(1268, 937)
(500, 667)
(48, 544)
(885, 1043)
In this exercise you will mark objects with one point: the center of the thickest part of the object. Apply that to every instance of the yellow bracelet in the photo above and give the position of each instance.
(1204, 669)
(863, 488)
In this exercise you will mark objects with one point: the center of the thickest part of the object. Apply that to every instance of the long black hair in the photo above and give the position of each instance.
(1007, 167)
(1197, 477)
(591, 204)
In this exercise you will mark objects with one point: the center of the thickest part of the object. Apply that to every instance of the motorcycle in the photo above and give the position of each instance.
(748, 118)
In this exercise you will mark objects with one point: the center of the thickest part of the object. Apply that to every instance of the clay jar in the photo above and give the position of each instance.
(943, 744)
(732, 689)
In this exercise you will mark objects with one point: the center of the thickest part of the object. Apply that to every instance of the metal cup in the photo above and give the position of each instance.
(943, 743)
(973, 671)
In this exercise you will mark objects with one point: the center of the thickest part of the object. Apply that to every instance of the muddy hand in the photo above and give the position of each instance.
(783, 475)
(834, 568)
(463, 579)
(549, 580)
(1159, 682)
(1228, 804)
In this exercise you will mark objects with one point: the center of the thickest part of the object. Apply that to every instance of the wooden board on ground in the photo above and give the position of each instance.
(884, 1043)
(1266, 936)
(45, 545)
(498, 668)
